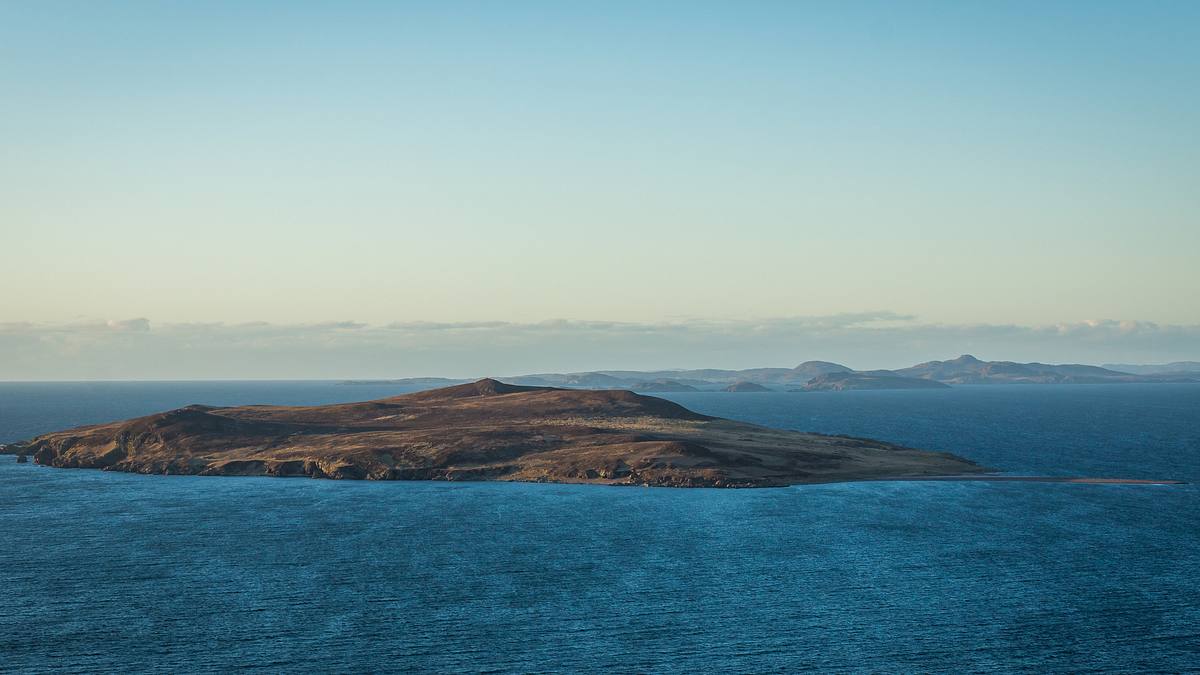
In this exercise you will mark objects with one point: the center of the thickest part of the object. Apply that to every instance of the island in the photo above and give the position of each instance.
(868, 380)
(745, 387)
(485, 430)
(664, 386)
(967, 369)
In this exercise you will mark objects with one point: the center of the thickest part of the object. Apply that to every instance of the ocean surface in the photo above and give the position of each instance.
(115, 572)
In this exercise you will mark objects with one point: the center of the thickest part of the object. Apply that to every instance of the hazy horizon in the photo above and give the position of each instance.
(138, 349)
(376, 189)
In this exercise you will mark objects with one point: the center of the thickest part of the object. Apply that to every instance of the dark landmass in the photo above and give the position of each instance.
(844, 381)
(663, 386)
(576, 380)
(828, 376)
(811, 369)
(711, 379)
(967, 369)
(485, 430)
(745, 386)
(413, 381)
(715, 377)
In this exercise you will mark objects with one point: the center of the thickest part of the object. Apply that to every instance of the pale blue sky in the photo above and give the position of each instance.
(297, 162)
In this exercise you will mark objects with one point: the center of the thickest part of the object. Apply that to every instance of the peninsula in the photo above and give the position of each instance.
(485, 430)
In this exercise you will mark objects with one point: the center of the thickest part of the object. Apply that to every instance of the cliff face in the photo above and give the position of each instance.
(485, 430)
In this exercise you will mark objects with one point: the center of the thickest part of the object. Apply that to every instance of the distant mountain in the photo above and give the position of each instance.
(429, 382)
(967, 369)
(635, 377)
(703, 378)
(577, 380)
(1190, 367)
(824, 375)
(529, 381)
(871, 380)
(663, 386)
(810, 369)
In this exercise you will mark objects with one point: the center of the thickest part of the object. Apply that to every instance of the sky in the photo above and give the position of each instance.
(271, 189)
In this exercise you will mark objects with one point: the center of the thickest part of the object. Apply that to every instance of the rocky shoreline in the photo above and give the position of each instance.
(486, 430)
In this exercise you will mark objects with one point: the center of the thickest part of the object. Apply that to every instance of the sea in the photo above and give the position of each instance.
(104, 572)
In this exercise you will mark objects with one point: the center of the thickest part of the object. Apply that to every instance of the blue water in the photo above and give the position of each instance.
(105, 571)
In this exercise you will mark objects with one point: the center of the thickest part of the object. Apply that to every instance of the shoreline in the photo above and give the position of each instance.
(997, 478)
(1086, 480)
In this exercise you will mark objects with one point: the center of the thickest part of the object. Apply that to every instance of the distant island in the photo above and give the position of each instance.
(844, 381)
(746, 386)
(967, 369)
(663, 386)
(485, 430)
(829, 376)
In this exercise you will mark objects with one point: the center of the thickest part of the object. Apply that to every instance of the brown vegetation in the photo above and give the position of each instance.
(486, 430)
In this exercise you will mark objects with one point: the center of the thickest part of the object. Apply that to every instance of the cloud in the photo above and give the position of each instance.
(129, 325)
(137, 349)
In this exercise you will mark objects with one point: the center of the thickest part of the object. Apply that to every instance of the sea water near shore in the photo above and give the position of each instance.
(104, 571)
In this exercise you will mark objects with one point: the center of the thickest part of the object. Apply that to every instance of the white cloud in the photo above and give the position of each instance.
(136, 325)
